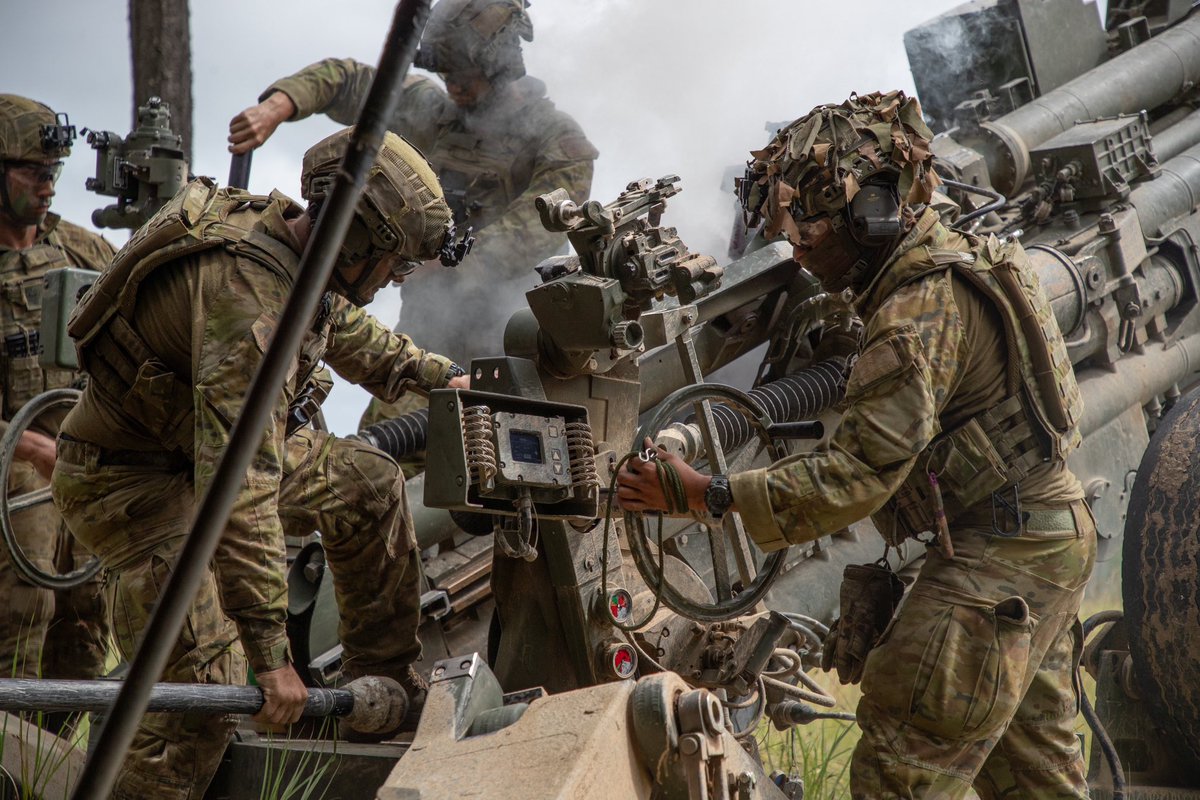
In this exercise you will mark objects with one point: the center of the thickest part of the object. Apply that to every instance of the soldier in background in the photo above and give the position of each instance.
(496, 141)
(61, 634)
(960, 413)
(170, 337)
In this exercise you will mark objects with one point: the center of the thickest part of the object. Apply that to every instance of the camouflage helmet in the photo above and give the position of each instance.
(816, 166)
(402, 209)
(476, 34)
(30, 131)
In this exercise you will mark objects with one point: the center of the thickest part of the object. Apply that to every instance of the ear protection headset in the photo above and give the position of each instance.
(873, 215)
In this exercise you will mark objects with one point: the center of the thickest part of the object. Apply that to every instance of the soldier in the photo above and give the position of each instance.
(170, 337)
(960, 413)
(496, 141)
(61, 634)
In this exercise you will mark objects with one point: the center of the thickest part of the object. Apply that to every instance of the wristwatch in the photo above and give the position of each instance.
(454, 371)
(718, 497)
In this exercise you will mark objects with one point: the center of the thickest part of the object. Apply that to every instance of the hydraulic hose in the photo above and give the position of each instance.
(801, 395)
(399, 437)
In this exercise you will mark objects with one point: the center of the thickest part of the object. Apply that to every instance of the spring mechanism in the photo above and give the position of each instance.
(477, 439)
(582, 451)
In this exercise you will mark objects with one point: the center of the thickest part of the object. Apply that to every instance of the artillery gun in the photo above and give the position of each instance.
(1088, 151)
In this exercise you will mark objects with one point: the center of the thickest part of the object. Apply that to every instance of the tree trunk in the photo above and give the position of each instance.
(160, 40)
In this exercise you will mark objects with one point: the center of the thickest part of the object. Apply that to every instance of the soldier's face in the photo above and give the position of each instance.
(466, 89)
(360, 281)
(823, 251)
(29, 186)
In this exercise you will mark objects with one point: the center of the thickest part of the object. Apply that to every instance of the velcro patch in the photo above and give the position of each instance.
(883, 359)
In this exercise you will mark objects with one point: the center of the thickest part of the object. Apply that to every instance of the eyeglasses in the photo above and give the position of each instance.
(36, 171)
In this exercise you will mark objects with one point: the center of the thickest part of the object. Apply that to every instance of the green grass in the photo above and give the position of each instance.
(299, 775)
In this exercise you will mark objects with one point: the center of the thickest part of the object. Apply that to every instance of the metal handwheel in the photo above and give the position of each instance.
(735, 595)
(55, 398)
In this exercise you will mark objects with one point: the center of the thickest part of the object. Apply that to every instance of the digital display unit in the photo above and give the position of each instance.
(526, 446)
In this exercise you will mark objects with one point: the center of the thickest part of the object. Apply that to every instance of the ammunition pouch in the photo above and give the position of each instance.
(984, 458)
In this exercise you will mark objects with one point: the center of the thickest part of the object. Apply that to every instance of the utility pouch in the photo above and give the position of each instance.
(967, 464)
(869, 594)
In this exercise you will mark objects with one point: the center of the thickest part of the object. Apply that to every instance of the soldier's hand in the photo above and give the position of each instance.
(255, 125)
(459, 382)
(284, 696)
(37, 449)
(639, 488)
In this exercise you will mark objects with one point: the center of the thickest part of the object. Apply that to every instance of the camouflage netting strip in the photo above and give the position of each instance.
(821, 159)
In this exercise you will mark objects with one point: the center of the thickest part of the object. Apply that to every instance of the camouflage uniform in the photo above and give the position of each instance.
(60, 634)
(504, 153)
(948, 409)
(192, 322)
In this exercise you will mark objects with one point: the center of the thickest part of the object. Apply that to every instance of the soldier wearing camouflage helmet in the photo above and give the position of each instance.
(61, 634)
(960, 412)
(495, 140)
(170, 338)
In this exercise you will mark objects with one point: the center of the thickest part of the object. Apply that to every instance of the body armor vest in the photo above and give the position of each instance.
(481, 172)
(118, 360)
(21, 278)
(1038, 421)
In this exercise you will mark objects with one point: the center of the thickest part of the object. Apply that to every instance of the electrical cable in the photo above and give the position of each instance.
(659, 576)
(1093, 720)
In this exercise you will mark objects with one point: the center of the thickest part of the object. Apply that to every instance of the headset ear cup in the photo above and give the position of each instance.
(874, 215)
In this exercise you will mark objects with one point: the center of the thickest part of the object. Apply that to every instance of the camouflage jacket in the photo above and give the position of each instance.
(209, 316)
(493, 160)
(59, 244)
(943, 360)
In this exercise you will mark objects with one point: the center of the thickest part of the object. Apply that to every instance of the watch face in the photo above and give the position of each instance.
(718, 497)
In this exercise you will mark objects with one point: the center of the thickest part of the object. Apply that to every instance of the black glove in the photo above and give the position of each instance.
(869, 596)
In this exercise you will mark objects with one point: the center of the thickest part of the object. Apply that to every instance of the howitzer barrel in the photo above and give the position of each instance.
(1175, 192)
(1173, 139)
(1149, 75)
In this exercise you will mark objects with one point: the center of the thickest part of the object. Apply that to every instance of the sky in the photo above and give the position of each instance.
(660, 87)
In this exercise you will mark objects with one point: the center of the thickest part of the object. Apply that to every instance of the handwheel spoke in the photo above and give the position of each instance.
(737, 587)
(741, 547)
(720, 562)
(28, 500)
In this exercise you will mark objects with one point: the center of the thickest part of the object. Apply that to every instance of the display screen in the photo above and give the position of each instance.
(526, 446)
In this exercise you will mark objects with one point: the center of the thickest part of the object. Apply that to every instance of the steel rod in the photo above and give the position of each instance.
(212, 512)
(28, 694)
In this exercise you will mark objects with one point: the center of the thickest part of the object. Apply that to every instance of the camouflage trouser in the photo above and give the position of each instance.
(54, 634)
(351, 493)
(974, 681)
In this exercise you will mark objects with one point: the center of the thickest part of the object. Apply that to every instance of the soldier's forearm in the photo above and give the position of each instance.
(335, 87)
